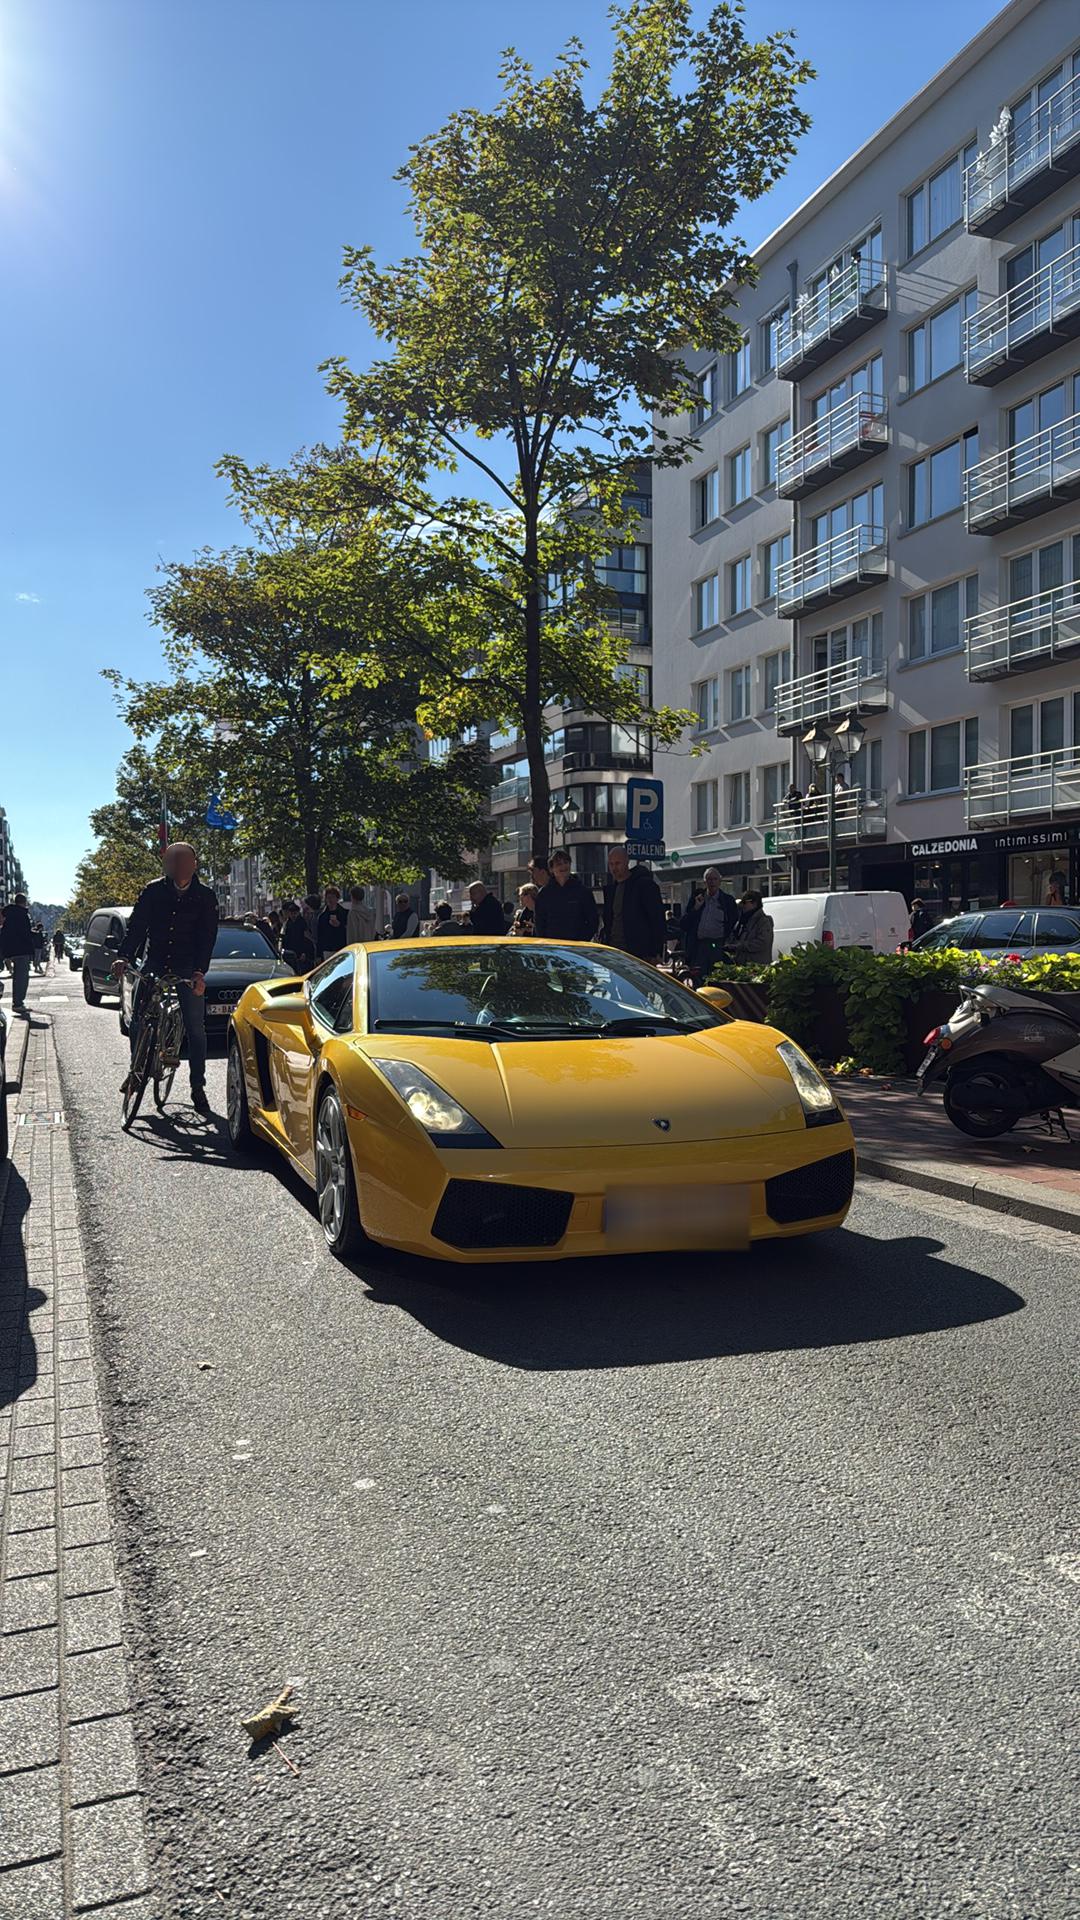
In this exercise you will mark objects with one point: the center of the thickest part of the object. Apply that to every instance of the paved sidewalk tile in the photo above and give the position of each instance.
(29, 1660)
(34, 1891)
(32, 1602)
(89, 1570)
(31, 1552)
(102, 1754)
(29, 1815)
(109, 1851)
(86, 1524)
(92, 1620)
(30, 1731)
(96, 1683)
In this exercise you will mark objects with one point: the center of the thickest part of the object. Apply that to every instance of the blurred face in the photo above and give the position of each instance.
(331, 896)
(712, 880)
(618, 864)
(477, 892)
(560, 868)
(538, 875)
(180, 864)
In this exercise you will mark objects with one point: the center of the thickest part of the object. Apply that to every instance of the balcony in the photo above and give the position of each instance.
(1031, 319)
(512, 849)
(606, 762)
(842, 309)
(844, 437)
(1024, 635)
(859, 815)
(1027, 479)
(1035, 785)
(516, 792)
(848, 563)
(851, 686)
(1024, 165)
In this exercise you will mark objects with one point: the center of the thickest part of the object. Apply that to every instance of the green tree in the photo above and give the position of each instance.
(293, 689)
(568, 249)
(127, 853)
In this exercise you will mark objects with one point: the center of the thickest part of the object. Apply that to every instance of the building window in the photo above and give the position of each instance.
(1045, 726)
(707, 385)
(739, 369)
(938, 755)
(936, 620)
(865, 509)
(771, 442)
(707, 498)
(938, 203)
(936, 345)
(773, 555)
(703, 798)
(773, 785)
(866, 379)
(866, 768)
(707, 704)
(1046, 409)
(738, 694)
(739, 573)
(775, 668)
(936, 484)
(625, 570)
(706, 597)
(863, 641)
(738, 799)
(739, 482)
(770, 337)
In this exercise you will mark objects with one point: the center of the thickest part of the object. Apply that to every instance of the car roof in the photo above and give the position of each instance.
(109, 910)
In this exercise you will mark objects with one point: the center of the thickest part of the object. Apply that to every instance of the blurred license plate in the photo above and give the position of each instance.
(679, 1216)
(218, 1006)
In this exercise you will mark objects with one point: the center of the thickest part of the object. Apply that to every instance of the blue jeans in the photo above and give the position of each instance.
(20, 977)
(193, 1011)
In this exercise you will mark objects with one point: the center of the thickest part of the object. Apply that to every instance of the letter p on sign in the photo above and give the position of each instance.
(645, 811)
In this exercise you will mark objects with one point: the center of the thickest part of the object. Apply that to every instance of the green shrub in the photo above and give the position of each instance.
(875, 991)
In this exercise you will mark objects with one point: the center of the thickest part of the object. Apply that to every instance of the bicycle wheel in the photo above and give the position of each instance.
(167, 1056)
(140, 1070)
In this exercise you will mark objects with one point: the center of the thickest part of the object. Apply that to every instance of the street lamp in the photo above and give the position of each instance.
(829, 749)
(564, 815)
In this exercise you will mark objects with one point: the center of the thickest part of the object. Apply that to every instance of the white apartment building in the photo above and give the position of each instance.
(883, 520)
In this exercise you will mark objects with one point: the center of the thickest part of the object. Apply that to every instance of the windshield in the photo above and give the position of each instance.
(524, 989)
(242, 943)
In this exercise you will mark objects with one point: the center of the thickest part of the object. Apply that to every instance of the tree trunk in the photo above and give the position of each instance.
(311, 860)
(533, 712)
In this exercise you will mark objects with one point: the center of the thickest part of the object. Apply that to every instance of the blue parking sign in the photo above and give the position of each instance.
(645, 817)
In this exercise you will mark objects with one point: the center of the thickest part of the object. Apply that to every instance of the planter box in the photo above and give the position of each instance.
(747, 1001)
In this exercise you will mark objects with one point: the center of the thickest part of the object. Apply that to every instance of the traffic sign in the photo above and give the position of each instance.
(645, 817)
(770, 840)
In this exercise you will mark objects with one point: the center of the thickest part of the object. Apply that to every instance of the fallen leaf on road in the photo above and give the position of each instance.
(271, 1718)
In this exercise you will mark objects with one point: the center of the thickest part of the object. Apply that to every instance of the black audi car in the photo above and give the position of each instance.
(241, 956)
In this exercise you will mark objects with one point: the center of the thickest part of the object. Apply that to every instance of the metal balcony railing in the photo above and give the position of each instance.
(516, 792)
(1029, 320)
(859, 814)
(515, 846)
(849, 686)
(842, 308)
(849, 432)
(1047, 784)
(1024, 634)
(1021, 165)
(840, 566)
(1024, 480)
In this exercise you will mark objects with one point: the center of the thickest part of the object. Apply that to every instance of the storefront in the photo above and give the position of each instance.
(969, 871)
(683, 868)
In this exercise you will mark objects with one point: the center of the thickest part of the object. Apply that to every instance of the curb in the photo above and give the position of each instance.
(1001, 1196)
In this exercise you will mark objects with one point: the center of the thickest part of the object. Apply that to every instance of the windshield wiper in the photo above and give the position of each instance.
(648, 1023)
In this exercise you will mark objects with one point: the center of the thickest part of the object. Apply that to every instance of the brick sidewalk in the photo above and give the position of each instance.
(908, 1138)
(71, 1816)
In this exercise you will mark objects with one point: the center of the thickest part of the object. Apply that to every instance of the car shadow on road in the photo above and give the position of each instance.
(840, 1289)
(18, 1352)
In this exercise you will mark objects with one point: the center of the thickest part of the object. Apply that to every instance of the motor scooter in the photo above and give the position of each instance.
(1004, 1055)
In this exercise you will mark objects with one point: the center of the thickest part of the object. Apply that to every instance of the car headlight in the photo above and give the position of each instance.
(815, 1095)
(443, 1118)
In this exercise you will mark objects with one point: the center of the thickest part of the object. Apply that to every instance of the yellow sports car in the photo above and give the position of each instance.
(475, 1099)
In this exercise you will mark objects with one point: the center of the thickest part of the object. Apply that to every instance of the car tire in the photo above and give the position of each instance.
(90, 992)
(237, 1113)
(335, 1184)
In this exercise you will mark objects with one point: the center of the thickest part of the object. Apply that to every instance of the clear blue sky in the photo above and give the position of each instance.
(177, 180)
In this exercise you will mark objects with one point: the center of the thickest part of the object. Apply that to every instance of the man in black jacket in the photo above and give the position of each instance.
(633, 909)
(485, 915)
(332, 926)
(565, 910)
(176, 919)
(17, 945)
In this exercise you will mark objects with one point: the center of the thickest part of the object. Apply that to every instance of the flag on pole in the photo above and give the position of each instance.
(163, 824)
(219, 816)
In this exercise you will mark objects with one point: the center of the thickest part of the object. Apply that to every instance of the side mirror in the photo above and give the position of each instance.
(110, 943)
(717, 997)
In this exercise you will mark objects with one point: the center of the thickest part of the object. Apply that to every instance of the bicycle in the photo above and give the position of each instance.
(161, 1036)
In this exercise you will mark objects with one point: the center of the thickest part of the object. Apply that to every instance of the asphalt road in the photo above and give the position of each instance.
(637, 1592)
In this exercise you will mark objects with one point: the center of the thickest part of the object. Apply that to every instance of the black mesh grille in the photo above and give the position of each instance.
(478, 1213)
(808, 1193)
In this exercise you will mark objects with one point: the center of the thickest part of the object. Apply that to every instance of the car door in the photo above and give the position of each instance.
(295, 1047)
(95, 957)
(1057, 932)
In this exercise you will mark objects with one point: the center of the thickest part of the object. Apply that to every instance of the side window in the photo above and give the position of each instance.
(332, 995)
(954, 933)
(997, 930)
(116, 930)
(1024, 933)
(1059, 930)
(98, 928)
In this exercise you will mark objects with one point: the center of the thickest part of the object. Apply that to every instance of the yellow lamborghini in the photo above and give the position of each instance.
(474, 1099)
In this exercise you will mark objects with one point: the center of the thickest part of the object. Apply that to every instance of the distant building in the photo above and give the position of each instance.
(12, 877)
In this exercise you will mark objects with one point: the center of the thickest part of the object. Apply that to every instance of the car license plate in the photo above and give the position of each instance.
(678, 1216)
(218, 1006)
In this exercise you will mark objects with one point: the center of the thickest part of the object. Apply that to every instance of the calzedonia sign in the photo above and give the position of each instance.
(937, 849)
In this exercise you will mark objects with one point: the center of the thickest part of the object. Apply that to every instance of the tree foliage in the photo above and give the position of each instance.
(568, 248)
(126, 829)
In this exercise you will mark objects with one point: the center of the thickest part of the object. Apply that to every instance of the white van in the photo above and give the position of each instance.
(876, 921)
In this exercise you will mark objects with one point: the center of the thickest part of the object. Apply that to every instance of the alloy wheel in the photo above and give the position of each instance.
(331, 1169)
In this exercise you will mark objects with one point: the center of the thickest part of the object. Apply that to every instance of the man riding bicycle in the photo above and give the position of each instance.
(175, 919)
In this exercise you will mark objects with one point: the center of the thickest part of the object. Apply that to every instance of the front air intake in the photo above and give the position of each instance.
(482, 1213)
(811, 1193)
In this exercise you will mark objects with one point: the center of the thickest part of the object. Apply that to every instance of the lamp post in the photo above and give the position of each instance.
(829, 749)
(564, 815)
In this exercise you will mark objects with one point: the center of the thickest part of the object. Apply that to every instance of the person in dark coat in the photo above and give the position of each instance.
(17, 945)
(176, 920)
(297, 946)
(565, 910)
(921, 919)
(752, 940)
(332, 925)
(633, 909)
(485, 915)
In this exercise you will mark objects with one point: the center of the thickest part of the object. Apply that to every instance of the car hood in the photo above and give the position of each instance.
(720, 1084)
(236, 973)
